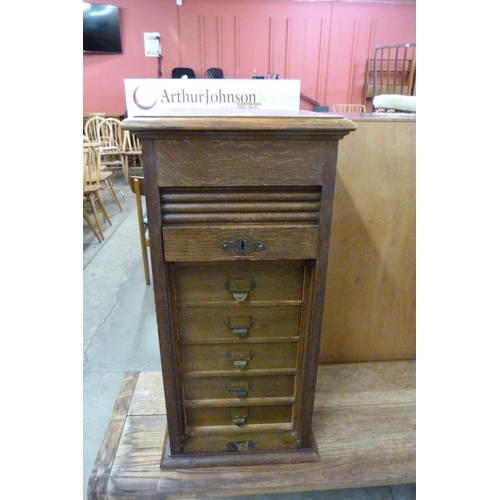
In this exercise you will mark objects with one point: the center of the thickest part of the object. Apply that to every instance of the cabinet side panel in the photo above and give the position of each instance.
(171, 379)
(311, 354)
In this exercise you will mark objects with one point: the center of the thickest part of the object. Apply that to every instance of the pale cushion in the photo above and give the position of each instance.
(397, 102)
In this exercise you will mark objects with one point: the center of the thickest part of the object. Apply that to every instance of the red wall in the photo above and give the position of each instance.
(324, 44)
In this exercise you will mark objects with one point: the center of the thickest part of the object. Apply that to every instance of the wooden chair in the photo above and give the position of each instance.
(131, 153)
(91, 129)
(110, 136)
(92, 188)
(348, 108)
(137, 186)
(106, 178)
(85, 214)
(391, 71)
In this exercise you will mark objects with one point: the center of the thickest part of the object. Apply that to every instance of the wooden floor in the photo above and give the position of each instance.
(364, 424)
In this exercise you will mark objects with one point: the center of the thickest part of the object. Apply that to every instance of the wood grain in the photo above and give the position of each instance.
(204, 242)
(364, 424)
(270, 251)
(98, 485)
(370, 297)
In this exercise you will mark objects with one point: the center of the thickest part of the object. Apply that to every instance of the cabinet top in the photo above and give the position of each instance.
(252, 121)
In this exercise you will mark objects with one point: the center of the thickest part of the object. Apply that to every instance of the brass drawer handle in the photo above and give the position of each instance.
(239, 416)
(239, 387)
(239, 324)
(240, 358)
(239, 287)
(243, 246)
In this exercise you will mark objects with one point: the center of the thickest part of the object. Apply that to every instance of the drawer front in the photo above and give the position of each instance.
(241, 441)
(238, 415)
(238, 357)
(215, 244)
(240, 162)
(239, 282)
(232, 322)
(239, 387)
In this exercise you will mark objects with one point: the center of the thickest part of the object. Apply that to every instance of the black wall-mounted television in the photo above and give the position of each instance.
(101, 29)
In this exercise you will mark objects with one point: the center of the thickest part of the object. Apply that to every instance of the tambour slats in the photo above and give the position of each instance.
(238, 195)
(239, 217)
(239, 207)
(243, 206)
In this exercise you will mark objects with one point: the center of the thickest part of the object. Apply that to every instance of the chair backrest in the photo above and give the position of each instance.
(110, 130)
(86, 148)
(91, 163)
(92, 127)
(348, 108)
(180, 72)
(110, 137)
(137, 186)
(130, 143)
(394, 69)
(215, 73)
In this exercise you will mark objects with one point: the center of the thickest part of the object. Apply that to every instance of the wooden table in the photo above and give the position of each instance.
(364, 425)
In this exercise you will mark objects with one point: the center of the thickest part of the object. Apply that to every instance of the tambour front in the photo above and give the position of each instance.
(239, 210)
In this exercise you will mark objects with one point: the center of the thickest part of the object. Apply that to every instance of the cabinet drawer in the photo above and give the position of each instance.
(239, 357)
(236, 243)
(231, 322)
(240, 162)
(238, 415)
(239, 282)
(240, 387)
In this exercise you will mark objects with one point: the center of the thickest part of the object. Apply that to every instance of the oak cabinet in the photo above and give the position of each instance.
(239, 210)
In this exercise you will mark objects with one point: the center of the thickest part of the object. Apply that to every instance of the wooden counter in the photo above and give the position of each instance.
(364, 423)
(370, 298)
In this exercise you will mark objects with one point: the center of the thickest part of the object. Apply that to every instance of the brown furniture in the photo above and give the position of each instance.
(239, 212)
(364, 423)
(370, 297)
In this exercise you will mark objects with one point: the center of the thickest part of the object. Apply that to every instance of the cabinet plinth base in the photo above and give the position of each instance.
(238, 457)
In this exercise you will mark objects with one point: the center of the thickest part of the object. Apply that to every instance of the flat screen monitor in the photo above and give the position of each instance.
(101, 29)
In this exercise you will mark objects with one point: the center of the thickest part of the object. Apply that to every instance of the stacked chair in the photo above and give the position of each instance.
(121, 150)
(92, 188)
(107, 148)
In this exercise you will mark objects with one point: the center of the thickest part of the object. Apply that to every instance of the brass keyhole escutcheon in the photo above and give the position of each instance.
(243, 245)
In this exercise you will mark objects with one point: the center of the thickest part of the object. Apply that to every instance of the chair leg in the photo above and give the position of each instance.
(145, 257)
(92, 227)
(125, 167)
(103, 210)
(112, 192)
(96, 216)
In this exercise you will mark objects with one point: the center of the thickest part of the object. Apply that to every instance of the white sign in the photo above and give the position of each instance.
(155, 97)
(152, 44)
